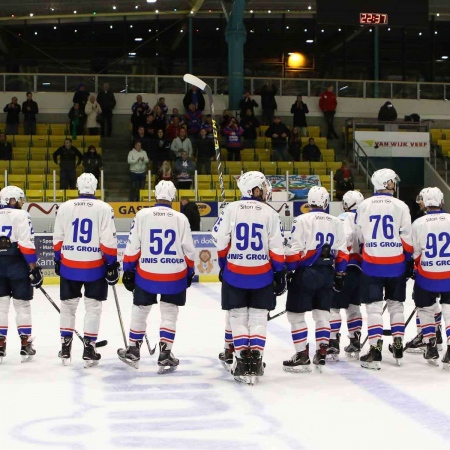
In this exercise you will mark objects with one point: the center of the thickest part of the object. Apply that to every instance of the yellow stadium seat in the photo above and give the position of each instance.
(189, 193)
(226, 178)
(36, 182)
(38, 154)
(20, 153)
(247, 154)
(230, 195)
(51, 167)
(59, 195)
(17, 180)
(204, 177)
(251, 165)
(269, 167)
(302, 168)
(98, 193)
(58, 129)
(234, 167)
(321, 142)
(319, 168)
(39, 141)
(22, 141)
(4, 165)
(328, 158)
(285, 166)
(333, 166)
(207, 195)
(35, 195)
(71, 194)
(214, 165)
(2, 181)
(313, 132)
(261, 142)
(204, 184)
(327, 152)
(264, 156)
(38, 167)
(91, 140)
(42, 129)
(143, 195)
(19, 167)
(263, 129)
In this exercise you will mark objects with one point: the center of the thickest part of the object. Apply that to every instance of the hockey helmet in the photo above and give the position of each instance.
(351, 200)
(87, 184)
(9, 192)
(318, 197)
(251, 180)
(419, 197)
(165, 190)
(382, 177)
(433, 197)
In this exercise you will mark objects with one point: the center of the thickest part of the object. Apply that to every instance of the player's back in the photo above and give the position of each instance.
(351, 234)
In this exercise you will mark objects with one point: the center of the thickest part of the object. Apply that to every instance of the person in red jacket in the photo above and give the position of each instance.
(327, 104)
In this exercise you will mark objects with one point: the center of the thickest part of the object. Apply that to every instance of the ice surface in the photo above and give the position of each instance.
(113, 406)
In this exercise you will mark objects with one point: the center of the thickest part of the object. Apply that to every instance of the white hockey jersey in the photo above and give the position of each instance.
(16, 225)
(84, 239)
(309, 233)
(161, 250)
(431, 242)
(384, 228)
(249, 240)
(351, 234)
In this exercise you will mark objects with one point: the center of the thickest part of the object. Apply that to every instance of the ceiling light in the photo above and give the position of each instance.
(150, 30)
(192, 11)
(309, 7)
(217, 29)
(437, 15)
(269, 11)
(76, 31)
(444, 57)
(111, 27)
(138, 39)
(54, 28)
(181, 30)
(52, 9)
(435, 32)
(287, 28)
(306, 30)
(156, 11)
(35, 32)
(31, 14)
(251, 11)
(420, 34)
(136, 7)
(370, 31)
(132, 54)
(309, 41)
(389, 29)
(339, 29)
(114, 7)
(151, 1)
(323, 31)
(74, 12)
(46, 84)
(131, 26)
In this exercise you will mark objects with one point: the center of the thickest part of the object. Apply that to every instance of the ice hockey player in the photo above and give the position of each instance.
(18, 270)
(158, 259)
(249, 240)
(316, 243)
(431, 237)
(85, 246)
(384, 225)
(349, 297)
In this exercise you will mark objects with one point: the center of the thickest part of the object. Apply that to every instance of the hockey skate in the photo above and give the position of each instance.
(257, 366)
(373, 358)
(396, 348)
(66, 350)
(241, 368)
(131, 355)
(2, 348)
(446, 360)
(299, 363)
(167, 362)
(226, 358)
(431, 354)
(416, 345)
(320, 357)
(439, 341)
(334, 349)
(27, 350)
(90, 355)
(354, 348)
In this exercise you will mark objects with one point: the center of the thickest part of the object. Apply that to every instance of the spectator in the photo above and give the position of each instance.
(247, 103)
(311, 152)
(208, 126)
(138, 160)
(173, 129)
(204, 152)
(249, 123)
(300, 109)
(143, 137)
(184, 169)
(139, 112)
(328, 104)
(12, 111)
(92, 111)
(160, 121)
(387, 113)
(151, 126)
(176, 113)
(295, 144)
(279, 133)
(81, 96)
(92, 162)
(77, 120)
(165, 172)
(107, 101)
(5, 148)
(67, 164)
(162, 105)
(29, 111)
(195, 97)
(182, 143)
(190, 210)
(233, 132)
(268, 102)
(194, 121)
(344, 180)
(159, 150)
(226, 116)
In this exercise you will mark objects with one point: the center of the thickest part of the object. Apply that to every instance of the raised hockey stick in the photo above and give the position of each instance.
(120, 315)
(97, 344)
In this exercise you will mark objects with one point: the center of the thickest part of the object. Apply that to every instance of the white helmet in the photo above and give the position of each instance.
(318, 196)
(433, 196)
(250, 181)
(268, 196)
(351, 200)
(9, 192)
(381, 178)
(419, 197)
(87, 184)
(165, 190)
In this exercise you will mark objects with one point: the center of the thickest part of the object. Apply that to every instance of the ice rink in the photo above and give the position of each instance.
(45, 405)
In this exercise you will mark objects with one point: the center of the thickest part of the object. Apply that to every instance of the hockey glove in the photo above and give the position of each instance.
(409, 273)
(112, 273)
(36, 277)
(338, 282)
(290, 278)
(128, 280)
(279, 283)
(58, 268)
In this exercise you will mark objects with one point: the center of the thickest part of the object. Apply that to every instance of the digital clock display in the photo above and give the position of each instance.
(373, 19)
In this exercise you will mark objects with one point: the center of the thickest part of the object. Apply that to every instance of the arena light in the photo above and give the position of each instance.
(151, 1)
(296, 60)
(309, 41)
(138, 39)
(444, 57)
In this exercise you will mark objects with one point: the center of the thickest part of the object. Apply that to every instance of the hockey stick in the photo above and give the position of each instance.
(97, 344)
(120, 315)
(389, 332)
(269, 317)
(150, 350)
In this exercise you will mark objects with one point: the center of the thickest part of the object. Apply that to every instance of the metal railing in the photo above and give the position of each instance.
(363, 163)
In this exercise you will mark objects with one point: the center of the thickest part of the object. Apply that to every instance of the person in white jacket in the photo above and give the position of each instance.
(138, 160)
(182, 144)
(92, 111)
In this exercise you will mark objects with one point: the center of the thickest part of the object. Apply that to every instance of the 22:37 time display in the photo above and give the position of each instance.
(373, 19)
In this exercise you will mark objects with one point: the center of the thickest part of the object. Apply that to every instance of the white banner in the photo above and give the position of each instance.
(394, 144)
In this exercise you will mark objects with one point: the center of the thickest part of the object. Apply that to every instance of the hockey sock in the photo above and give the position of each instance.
(374, 321)
(396, 311)
(67, 317)
(169, 316)
(23, 316)
(354, 320)
(92, 318)
(299, 330)
(426, 316)
(335, 322)
(139, 315)
(322, 319)
(4, 310)
(419, 328)
(228, 333)
(257, 323)
(240, 329)
(437, 314)
(446, 315)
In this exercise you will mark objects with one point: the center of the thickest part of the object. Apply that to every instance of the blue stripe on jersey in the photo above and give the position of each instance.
(30, 259)
(228, 336)
(398, 329)
(24, 330)
(257, 342)
(161, 287)
(248, 281)
(355, 324)
(299, 335)
(376, 331)
(335, 325)
(165, 335)
(384, 270)
(433, 285)
(136, 336)
(3, 331)
(85, 275)
(66, 332)
(322, 333)
(429, 331)
(241, 342)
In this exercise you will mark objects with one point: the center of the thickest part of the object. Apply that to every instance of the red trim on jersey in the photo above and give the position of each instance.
(407, 247)
(383, 259)
(57, 247)
(433, 275)
(161, 276)
(292, 258)
(131, 258)
(341, 256)
(189, 262)
(26, 250)
(223, 253)
(249, 270)
(82, 264)
(276, 257)
(308, 254)
(108, 251)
